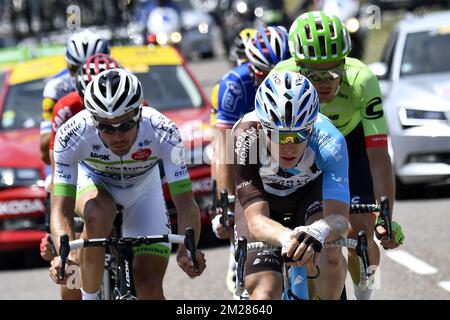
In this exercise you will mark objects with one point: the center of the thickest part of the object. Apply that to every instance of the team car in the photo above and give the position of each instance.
(414, 77)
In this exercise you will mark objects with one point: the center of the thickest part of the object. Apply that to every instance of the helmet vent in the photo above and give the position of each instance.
(271, 100)
(288, 81)
(123, 96)
(319, 25)
(304, 102)
(332, 31)
(308, 32)
(288, 113)
(334, 50)
(136, 96)
(322, 45)
(275, 119)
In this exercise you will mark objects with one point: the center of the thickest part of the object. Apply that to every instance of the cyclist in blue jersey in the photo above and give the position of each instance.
(234, 97)
(291, 161)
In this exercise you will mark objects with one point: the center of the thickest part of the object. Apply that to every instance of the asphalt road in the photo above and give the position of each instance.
(419, 270)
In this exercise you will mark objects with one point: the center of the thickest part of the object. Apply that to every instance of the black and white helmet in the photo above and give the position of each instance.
(113, 93)
(83, 44)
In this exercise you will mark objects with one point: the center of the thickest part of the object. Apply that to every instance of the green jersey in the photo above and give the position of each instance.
(358, 101)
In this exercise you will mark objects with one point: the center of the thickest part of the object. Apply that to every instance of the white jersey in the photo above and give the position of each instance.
(78, 142)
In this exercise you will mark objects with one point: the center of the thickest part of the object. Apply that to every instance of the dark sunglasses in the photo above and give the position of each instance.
(122, 127)
(285, 137)
(323, 75)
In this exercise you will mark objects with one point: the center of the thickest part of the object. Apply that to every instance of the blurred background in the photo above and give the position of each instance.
(405, 42)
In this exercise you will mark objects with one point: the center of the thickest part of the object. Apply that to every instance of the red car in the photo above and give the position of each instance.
(168, 85)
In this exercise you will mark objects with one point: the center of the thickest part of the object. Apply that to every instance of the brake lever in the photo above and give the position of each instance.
(224, 206)
(386, 216)
(64, 250)
(240, 256)
(189, 243)
(363, 252)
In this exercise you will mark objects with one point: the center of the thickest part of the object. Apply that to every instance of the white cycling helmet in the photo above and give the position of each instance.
(267, 47)
(286, 101)
(81, 45)
(113, 93)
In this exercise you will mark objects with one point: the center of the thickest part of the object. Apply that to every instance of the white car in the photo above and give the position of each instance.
(414, 76)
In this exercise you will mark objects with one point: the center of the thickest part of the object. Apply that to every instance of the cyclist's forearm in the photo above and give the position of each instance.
(261, 227)
(336, 217)
(188, 216)
(44, 146)
(61, 218)
(382, 175)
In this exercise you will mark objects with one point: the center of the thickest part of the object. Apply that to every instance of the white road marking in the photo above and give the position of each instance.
(445, 285)
(408, 260)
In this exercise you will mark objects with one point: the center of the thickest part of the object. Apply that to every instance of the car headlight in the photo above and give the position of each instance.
(417, 117)
(11, 177)
(352, 25)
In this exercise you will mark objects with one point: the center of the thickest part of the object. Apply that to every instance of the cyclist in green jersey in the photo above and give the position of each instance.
(350, 97)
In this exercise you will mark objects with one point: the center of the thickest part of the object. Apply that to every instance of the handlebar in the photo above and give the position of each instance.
(188, 240)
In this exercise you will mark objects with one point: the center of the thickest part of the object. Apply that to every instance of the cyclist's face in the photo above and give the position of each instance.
(291, 153)
(325, 77)
(72, 69)
(119, 141)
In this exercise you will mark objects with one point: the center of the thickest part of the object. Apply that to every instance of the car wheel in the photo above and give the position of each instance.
(407, 191)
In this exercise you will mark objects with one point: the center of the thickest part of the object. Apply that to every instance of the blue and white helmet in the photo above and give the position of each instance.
(286, 101)
(267, 47)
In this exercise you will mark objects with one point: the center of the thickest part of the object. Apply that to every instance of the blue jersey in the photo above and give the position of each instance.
(256, 171)
(236, 96)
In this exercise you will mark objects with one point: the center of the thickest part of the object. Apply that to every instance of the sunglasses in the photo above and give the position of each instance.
(122, 127)
(285, 137)
(322, 75)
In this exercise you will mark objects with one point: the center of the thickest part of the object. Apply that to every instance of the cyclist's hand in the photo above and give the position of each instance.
(55, 270)
(301, 252)
(219, 230)
(186, 264)
(397, 236)
(47, 248)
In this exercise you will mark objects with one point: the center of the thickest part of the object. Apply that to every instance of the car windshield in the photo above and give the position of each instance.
(23, 106)
(426, 52)
(169, 87)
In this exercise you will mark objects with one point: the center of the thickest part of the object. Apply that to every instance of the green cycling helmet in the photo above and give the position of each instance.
(315, 37)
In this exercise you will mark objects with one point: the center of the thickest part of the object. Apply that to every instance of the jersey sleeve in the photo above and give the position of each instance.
(249, 186)
(47, 109)
(333, 161)
(171, 152)
(368, 95)
(66, 155)
(231, 98)
(214, 104)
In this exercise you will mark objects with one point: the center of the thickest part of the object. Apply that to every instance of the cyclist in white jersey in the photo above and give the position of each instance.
(108, 154)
